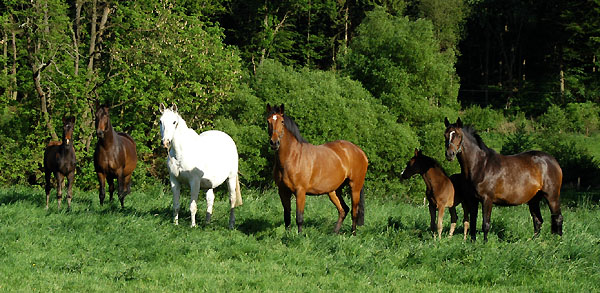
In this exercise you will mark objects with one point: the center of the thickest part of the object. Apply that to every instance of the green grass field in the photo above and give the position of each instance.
(93, 248)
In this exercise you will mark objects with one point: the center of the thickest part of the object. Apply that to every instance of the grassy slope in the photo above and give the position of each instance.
(93, 248)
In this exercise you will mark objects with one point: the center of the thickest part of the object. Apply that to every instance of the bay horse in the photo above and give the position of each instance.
(505, 180)
(115, 157)
(59, 158)
(204, 161)
(302, 168)
(441, 191)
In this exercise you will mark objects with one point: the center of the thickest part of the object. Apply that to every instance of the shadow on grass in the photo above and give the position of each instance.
(253, 226)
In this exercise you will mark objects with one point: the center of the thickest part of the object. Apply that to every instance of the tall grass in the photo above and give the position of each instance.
(93, 248)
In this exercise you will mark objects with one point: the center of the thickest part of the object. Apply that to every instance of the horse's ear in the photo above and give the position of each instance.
(161, 108)
(72, 119)
(174, 108)
(281, 109)
(416, 152)
(459, 123)
(268, 108)
(446, 122)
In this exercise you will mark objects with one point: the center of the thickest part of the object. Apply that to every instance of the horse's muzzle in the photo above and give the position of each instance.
(274, 145)
(450, 155)
(100, 133)
(166, 143)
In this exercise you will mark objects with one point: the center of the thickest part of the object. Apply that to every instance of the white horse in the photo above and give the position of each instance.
(204, 161)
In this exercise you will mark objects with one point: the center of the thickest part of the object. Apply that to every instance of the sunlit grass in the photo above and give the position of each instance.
(93, 248)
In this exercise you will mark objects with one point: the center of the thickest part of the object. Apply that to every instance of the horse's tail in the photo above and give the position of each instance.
(361, 208)
(238, 192)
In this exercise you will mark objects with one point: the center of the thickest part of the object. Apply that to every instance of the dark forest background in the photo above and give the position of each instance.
(382, 74)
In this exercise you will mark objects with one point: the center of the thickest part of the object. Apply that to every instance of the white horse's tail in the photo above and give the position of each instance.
(238, 193)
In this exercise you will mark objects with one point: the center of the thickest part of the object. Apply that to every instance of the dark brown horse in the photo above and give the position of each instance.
(302, 168)
(59, 158)
(115, 157)
(441, 191)
(505, 180)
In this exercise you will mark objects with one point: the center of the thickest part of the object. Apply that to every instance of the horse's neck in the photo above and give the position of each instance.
(471, 157)
(109, 137)
(182, 134)
(288, 147)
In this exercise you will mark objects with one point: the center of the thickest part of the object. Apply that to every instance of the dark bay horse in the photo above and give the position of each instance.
(505, 180)
(441, 191)
(59, 158)
(115, 157)
(302, 168)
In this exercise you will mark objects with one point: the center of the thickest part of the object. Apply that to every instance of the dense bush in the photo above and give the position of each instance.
(485, 119)
(399, 62)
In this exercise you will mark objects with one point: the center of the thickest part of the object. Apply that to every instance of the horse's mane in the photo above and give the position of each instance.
(429, 162)
(471, 131)
(290, 124)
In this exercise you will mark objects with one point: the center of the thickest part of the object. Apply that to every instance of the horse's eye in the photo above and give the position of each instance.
(174, 122)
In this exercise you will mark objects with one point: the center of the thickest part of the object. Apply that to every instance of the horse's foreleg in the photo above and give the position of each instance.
(101, 192)
(432, 209)
(300, 202)
(285, 196)
(487, 214)
(341, 213)
(111, 187)
(453, 219)
(473, 207)
(465, 219)
(59, 184)
(194, 189)
(70, 179)
(48, 176)
(210, 201)
(175, 188)
(440, 219)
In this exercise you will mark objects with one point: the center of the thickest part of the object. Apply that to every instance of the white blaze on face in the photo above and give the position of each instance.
(274, 117)
(451, 134)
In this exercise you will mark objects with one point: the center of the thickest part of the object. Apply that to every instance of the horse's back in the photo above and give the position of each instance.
(353, 158)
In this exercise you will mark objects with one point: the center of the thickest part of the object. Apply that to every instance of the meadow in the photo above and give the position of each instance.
(94, 248)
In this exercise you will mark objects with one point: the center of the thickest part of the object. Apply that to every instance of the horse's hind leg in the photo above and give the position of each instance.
(536, 215)
(453, 219)
(465, 219)
(124, 188)
(48, 176)
(341, 212)
(232, 184)
(300, 203)
(557, 218)
(70, 179)
(210, 201)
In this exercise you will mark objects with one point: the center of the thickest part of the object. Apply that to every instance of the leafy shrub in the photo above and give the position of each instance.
(554, 120)
(399, 62)
(484, 119)
(583, 117)
(519, 141)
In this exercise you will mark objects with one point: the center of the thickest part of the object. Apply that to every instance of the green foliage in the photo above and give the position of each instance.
(519, 141)
(554, 120)
(484, 119)
(584, 117)
(399, 62)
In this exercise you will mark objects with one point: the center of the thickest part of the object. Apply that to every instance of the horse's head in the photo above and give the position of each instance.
(454, 136)
(68, 126)
(168, 124)
(275, 123)
(102, 121)
(413, 166)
